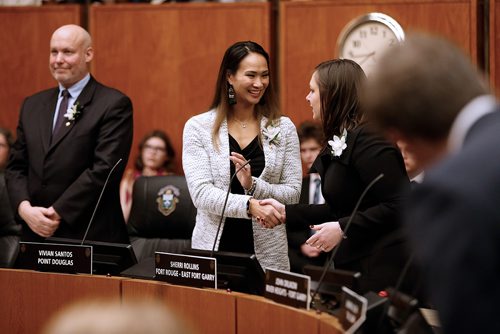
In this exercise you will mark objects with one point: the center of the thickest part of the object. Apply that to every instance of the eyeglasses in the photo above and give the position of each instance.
(154, 148)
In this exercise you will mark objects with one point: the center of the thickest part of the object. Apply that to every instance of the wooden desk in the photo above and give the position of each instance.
(29, 299)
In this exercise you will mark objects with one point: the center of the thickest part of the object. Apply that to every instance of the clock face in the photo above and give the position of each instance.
(365, 41)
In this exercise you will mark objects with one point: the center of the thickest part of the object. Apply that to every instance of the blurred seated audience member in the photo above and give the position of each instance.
(300, 253)
(155, 157)
(113, 317)
(9, 229)
(413, 167)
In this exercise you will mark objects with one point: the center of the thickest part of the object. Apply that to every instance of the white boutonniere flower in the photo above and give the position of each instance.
(73, 113)
(338, 145)
(272, 133)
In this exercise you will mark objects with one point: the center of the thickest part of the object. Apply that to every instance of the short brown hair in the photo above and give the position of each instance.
(420, 86)
(310, 130)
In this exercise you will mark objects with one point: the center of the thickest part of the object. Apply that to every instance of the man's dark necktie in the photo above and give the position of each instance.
(63, 107)
(317, 189)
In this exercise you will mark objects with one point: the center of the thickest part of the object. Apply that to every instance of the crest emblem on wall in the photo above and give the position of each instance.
(167, 199)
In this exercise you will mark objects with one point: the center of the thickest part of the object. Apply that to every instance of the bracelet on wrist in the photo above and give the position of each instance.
(251, 190)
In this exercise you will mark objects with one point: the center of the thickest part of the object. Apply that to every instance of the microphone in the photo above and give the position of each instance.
(99, 200)
(224, 207)
(330, 259)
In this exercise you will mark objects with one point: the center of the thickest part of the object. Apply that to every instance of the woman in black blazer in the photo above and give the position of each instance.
(352, 157)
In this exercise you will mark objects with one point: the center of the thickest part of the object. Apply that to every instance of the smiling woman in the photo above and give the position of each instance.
(242, 125)
(250, 81)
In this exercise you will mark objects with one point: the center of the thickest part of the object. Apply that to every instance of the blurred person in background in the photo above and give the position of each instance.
(114, 317)
(9, 229)
(311, 143)
(155, 157)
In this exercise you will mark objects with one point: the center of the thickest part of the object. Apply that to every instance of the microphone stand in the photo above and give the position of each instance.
(332, 255)
(224, 207)
(99, 200)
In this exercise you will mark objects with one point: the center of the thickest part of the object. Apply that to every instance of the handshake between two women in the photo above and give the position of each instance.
(270, 213)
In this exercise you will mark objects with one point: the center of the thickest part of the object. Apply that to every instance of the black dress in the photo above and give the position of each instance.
(237, 235)
(375, 245)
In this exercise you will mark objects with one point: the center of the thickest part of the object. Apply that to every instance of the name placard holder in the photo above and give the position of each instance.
(187, 270)
(52, 257)
(352, 310)
(288, 288)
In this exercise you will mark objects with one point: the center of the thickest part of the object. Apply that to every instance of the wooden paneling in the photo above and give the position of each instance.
(276, 318)
(208, 311)
(25, 36)
(166, 58)
(309, 32)
(29, 299)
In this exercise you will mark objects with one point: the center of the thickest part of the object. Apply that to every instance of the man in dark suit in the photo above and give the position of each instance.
(300, 253)
(69, 139)
(427, 93)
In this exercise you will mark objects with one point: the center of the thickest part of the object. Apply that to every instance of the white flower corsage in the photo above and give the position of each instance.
(73, 113)
(272, 133)
(338, 145)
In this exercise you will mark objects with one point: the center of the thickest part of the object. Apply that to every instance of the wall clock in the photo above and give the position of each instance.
(366, 37)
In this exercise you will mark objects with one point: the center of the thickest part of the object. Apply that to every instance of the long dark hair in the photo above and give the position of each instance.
(169, 149)
(268, 104)
(339, 82)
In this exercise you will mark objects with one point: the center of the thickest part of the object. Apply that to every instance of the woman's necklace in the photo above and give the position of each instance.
(243, 124)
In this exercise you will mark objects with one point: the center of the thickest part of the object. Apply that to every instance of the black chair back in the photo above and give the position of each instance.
(161, 208)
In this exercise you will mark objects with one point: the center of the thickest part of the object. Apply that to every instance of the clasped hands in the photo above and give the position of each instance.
(42, 221)
(326, 237)
(270, 212)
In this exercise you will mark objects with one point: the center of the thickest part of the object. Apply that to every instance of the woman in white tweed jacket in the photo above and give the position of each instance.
(243, 123)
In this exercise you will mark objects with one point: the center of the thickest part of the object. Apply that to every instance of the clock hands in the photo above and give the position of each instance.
(364, 56)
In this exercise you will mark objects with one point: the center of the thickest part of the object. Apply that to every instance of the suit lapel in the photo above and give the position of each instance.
(322, 161)
(83, 100)
(47, 118)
